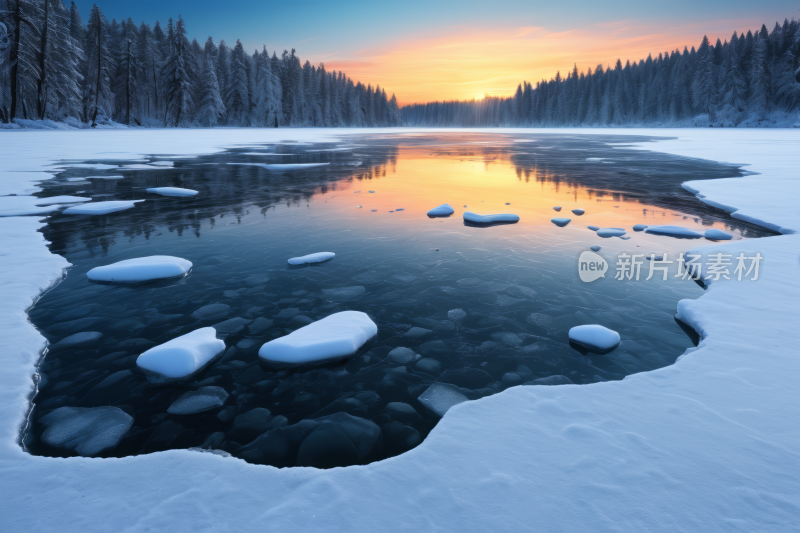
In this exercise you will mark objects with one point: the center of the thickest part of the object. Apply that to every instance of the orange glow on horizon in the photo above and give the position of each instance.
(463, 63)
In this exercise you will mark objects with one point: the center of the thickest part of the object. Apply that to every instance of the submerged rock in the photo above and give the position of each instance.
(439, 398)
(85, 430)
(402, 356)
(78, 339)
(551, 380)
(203, 399)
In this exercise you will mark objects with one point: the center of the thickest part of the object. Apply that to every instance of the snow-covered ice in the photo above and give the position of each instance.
(12, 206)
(639, 227)
(141, 269)
(717, 235)
(86, 430)
(336, 336)
(444, 210)
(198, 401)
(560, 221)
(578, 212)
(594, 337)
(312, 258)
(172, 191)
(701, 445)
(475, 218)
(673, 231)
(610, 232)
(593, 228)
(440, 397)
(283, 166)
(594, 248)
(557, 208)
(101, 208)
(182, 356)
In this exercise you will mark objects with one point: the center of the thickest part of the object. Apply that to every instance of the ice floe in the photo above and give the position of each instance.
(141, 269)
(12, 206)
(560, 222)
(557, 208)
(336, 336)
(639, 227)
(86, 430)
(717, 235)
(673, 231)
(475, 218)
(594, 338)
(444, 210)
(283, 166)
(578, 212)
(172, 191)
(595, 248)
(312, 258)
(182, 356)
(610, 232)
(101, 208)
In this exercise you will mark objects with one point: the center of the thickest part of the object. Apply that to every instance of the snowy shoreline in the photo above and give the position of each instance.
(706, 444)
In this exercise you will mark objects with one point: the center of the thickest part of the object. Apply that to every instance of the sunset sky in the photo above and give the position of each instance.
(443, 50)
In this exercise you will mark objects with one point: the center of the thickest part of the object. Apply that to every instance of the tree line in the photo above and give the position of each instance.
(751, 80)
(53, 66)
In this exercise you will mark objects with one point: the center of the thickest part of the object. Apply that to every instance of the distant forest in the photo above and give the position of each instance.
(53, 66)
(752, 80)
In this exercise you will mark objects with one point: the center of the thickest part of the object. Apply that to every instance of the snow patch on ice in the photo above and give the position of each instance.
(141, 269)
(101, 208)
(312, 258)
(475, 218)
(673, 231)
(172, 191)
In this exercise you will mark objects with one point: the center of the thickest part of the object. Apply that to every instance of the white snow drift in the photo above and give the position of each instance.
(335, 336)
(141, 269)
(312, 258)
(182, 356)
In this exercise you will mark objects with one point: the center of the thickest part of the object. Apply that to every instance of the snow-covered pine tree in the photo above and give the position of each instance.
(237, 96)
(178, 92)
(732, 92)
(210, 108)
(267, 94)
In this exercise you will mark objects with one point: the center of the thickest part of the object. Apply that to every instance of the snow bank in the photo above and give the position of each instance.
(475, 218)
(312, 258)
(335, 336)
(141, 269)
(172, 191)
(701, 445)
(101, 208)
(182, 356)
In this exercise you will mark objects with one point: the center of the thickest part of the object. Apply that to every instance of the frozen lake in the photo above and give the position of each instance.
(517, 285)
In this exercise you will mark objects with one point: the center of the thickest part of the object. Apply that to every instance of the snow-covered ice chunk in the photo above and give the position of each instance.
(610, 232)
(594, 337)
(141, 269)
(639, 227)
(86, 430)
(717, 235)
(52, 200)
(673, 231)
(115, 177)
(593, 228)
(182, 356)
(595, 248)
(444, 210)
(336, 336)
(439, 398)
(172, 191)
(560, 222)
(79, 339)
(101, 208)
(475, 218)
(557, 208)
(283, 166)
(197, 401)
(312, 258)
(578, 212)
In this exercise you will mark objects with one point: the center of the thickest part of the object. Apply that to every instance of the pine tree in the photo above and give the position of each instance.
(237, 96)
(178, 95)
(97, 93)
(210, 108)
